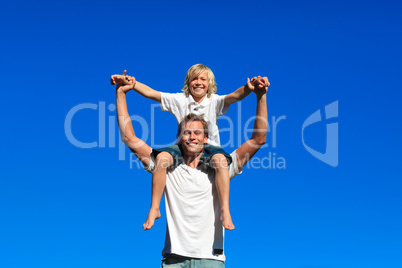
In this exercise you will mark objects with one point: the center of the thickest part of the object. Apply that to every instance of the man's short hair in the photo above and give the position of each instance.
(195, 71)
(190, 118)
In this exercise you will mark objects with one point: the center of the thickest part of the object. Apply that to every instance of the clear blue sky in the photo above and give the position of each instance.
(66, 206)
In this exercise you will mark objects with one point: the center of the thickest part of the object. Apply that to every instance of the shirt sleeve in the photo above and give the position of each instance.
(169, 102)
(233, 168)
(219, 102)
(151, 166)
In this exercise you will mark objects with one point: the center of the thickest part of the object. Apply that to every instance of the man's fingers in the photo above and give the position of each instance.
(266, 82)
(112, 80)
(263, 81)
(125, 78)
(119, 78)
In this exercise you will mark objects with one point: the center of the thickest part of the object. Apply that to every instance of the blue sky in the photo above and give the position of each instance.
(66, 206)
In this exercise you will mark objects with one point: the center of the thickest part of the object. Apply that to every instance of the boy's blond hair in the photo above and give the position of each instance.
(195, 71)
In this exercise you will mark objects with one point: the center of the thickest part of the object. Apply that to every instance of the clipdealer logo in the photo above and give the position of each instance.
(331, 154)
(108, 134)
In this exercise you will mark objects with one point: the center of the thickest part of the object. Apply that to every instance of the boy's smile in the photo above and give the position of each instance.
(199, 87)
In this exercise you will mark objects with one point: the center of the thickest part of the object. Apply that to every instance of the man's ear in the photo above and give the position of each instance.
(205, 138)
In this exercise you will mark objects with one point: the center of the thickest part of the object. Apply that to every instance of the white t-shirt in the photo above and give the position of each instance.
(193, 212)
(180, 106)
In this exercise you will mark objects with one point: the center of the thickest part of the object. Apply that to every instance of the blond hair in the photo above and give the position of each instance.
(195, 71)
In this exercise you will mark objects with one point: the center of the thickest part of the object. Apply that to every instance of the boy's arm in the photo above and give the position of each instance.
(238, 95)
(247, 150)
(136, 145)
(243, 91)
(141, 88)
(147, 92)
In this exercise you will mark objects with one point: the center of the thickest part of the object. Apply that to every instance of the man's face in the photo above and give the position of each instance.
(199, 86)
(193, 138)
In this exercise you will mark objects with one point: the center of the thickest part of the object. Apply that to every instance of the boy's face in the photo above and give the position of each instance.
(199, 86)
(193, 138)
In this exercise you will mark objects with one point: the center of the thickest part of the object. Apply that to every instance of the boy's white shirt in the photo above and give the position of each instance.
(180, 106)
(194, 228)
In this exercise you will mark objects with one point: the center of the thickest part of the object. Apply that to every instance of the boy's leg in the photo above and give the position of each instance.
(222, 181)
(162, 162)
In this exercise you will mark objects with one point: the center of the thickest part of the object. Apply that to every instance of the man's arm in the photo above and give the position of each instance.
(141, 88)
(247, 150)
(136, 145)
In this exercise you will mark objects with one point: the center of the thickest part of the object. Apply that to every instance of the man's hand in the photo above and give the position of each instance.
(120, 79)
(258, 82)
(124, 82)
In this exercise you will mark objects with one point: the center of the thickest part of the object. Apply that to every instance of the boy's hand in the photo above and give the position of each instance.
(258, 82)
(120, 79)
(125, 83)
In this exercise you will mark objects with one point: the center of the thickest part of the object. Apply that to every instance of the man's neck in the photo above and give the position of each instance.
(192, 160)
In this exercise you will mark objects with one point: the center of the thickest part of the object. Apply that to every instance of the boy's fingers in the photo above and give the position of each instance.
(255, 78)
(249, 85)
(124, 72)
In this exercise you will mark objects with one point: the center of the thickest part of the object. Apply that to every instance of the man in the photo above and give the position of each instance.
(194, 228)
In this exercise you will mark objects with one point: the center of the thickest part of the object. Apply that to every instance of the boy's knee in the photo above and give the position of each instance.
(164, 159)
(220, 157)
(219, 161)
